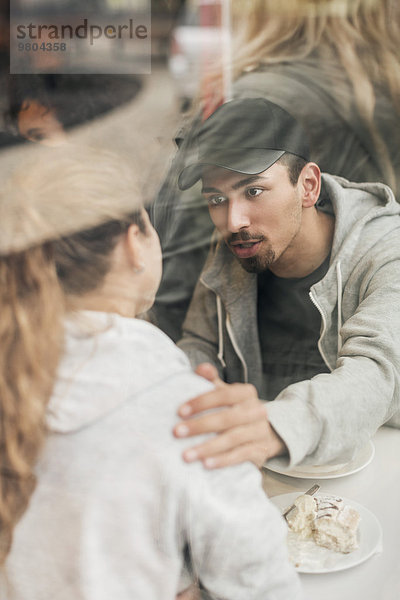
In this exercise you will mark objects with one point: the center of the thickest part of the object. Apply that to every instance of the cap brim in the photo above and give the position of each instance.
(247, 161)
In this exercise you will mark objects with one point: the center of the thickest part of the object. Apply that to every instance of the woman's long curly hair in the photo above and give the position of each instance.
(30, 336)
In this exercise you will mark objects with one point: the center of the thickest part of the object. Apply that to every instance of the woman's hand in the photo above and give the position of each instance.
(244, 432)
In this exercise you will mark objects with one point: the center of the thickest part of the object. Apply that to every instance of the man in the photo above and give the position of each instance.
(300, 298)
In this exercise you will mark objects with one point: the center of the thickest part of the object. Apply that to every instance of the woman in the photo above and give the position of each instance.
(95, 501)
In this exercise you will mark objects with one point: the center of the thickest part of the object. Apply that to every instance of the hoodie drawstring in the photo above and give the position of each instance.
(339, 305)
(220, 333)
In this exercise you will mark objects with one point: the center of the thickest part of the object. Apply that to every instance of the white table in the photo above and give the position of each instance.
(377, 487)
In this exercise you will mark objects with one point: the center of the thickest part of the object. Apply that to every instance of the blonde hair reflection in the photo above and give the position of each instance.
(354, 45)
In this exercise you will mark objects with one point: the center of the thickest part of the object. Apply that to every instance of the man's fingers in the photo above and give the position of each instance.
(242, 427)
(239, 414)
(255, 433)
(226, 395)
(209, 372)
(236, 456)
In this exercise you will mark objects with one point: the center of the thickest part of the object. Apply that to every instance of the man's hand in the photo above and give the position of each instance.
(243, 427)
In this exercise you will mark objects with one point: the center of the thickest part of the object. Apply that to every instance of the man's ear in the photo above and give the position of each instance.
(310, 184)
(133, 247)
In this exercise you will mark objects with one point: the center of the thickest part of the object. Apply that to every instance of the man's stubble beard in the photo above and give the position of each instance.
(262, 261)
(259, 263)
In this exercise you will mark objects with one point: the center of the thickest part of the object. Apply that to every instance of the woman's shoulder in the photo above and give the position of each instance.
(111, 363)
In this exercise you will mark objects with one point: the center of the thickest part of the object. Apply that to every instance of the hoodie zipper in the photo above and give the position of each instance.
(317, 306)
(339, 317)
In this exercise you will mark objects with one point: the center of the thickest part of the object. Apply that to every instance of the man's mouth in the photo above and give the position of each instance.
(245, 249)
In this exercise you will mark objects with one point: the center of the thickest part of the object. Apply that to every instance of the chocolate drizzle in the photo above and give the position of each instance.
(327, 506)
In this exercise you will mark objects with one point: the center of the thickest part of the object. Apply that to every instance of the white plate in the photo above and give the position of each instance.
(360, 461)
(322, 560)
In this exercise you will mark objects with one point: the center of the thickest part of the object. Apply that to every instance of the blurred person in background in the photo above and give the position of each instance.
(43, 108)
(95, 500)
(335, 66)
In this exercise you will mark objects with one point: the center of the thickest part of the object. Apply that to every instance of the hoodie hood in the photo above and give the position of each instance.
(359, 210)
(89, 385)
(363, 218)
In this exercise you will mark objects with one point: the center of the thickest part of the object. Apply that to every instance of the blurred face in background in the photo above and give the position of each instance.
(39, 123)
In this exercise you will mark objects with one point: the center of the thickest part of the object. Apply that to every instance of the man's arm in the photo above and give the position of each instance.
(346, 406)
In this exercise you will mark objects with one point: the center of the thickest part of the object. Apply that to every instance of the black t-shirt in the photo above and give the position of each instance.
(289, 327)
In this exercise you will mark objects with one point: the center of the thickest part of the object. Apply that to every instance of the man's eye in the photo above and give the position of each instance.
(215, 200)
(253, 192)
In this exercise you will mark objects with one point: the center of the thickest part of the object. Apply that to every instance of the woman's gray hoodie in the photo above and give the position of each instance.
(327, 418)
(116, 508)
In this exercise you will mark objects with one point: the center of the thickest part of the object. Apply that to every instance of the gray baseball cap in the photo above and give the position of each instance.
(247, 136)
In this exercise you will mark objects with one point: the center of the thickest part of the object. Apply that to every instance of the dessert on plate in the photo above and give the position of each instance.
(327, 520)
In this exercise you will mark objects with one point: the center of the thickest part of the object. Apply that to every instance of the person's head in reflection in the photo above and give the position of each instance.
(36, 113)
(260, 186)
(44, 109)
(37, 122)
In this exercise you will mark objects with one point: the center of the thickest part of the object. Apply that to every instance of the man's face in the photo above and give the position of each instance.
(259, 216)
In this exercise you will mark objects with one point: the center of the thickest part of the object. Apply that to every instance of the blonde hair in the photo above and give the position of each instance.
(358, 37)
(362, 34)
(71, 224)
(30, 338)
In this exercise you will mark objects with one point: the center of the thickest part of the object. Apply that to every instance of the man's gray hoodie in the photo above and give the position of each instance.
(329, 417)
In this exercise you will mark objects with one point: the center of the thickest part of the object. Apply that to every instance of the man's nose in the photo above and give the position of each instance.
(237, 217)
